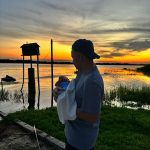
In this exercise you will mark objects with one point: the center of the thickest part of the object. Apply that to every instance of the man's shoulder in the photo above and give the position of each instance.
(94, 77)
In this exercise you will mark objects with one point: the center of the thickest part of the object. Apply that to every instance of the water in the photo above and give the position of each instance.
(113, 76)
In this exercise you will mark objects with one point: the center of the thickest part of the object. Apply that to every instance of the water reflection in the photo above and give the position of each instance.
(113, 76)
(129, 104)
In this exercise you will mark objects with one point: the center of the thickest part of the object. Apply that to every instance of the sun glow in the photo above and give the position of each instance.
(62, 52)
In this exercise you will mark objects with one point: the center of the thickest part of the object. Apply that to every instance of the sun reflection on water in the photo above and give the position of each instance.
(113, 77)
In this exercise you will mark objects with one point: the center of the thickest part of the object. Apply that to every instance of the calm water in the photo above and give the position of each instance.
(113, 76)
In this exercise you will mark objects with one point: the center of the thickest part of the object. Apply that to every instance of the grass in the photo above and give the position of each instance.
(120, 128)
(125, 94)
(145, 69)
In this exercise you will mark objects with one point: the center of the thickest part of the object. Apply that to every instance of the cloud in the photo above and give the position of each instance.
(72, 17)
(111, 31)
(111, 55)
(132, 45)
(69, 20)
(53, 5)
(139, 45)
(104, 51)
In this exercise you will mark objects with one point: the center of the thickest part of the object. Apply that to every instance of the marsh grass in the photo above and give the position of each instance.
(122, 94)
(4, 95)
(125, 94)
(15, 96)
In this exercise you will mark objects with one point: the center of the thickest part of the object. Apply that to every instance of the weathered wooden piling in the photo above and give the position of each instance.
(31, 88)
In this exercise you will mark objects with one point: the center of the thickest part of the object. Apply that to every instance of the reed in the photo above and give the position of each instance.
(4, 95)
(126, 94)
(15, 96)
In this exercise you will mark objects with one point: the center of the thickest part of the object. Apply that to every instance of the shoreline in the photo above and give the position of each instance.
(60, 62)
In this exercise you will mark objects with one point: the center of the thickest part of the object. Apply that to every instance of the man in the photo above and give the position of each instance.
(81, 133)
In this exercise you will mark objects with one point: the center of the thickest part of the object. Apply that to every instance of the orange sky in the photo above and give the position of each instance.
(62, 52)
(119, 36)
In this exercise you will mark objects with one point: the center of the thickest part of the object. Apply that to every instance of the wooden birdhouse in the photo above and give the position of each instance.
(30, 49)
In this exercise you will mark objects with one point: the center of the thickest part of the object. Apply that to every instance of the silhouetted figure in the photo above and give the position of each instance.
(81, 133)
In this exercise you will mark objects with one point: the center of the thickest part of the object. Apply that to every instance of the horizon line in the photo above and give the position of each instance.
(63, 62)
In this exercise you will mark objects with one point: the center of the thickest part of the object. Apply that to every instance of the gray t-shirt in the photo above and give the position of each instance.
(89, 92)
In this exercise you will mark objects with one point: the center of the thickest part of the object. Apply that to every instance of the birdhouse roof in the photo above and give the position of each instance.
(33, 45)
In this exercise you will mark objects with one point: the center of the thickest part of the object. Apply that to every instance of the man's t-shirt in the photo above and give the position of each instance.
(89, 92)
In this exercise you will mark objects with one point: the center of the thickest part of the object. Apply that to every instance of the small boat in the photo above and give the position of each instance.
(8, 79)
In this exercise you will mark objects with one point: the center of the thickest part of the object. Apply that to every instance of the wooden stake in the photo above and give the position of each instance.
(52, 72)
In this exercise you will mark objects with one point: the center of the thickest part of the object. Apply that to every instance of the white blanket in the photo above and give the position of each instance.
(66, 103)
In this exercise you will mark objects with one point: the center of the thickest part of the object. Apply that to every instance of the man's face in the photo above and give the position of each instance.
(77, 59)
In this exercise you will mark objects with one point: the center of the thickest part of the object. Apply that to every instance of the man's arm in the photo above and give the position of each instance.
(87, 116)
(91, 102)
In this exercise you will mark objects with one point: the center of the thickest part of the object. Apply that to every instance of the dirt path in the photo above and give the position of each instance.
(14, 138)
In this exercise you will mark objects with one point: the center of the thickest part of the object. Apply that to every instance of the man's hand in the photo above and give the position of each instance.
(57, 91)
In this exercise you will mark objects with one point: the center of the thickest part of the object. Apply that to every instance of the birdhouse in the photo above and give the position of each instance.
(30, 49)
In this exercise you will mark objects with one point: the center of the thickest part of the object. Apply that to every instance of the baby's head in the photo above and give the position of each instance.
(61, 79)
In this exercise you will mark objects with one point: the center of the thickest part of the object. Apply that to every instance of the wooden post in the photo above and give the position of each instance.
(31, 61)
(22, 82)
(2, 94)
(38, 82)
(31, 88)
(52, 72)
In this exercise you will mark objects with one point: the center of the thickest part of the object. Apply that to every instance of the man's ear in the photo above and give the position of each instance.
(81, 57)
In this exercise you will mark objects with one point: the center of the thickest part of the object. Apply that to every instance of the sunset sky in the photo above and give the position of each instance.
(119, 29)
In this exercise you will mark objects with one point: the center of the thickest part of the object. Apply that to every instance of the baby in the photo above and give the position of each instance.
(62, 82)
(61, 85)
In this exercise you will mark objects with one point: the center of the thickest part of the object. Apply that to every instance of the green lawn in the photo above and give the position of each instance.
(120, 128)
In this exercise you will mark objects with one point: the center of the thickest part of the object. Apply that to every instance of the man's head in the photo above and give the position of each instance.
(83, 52)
